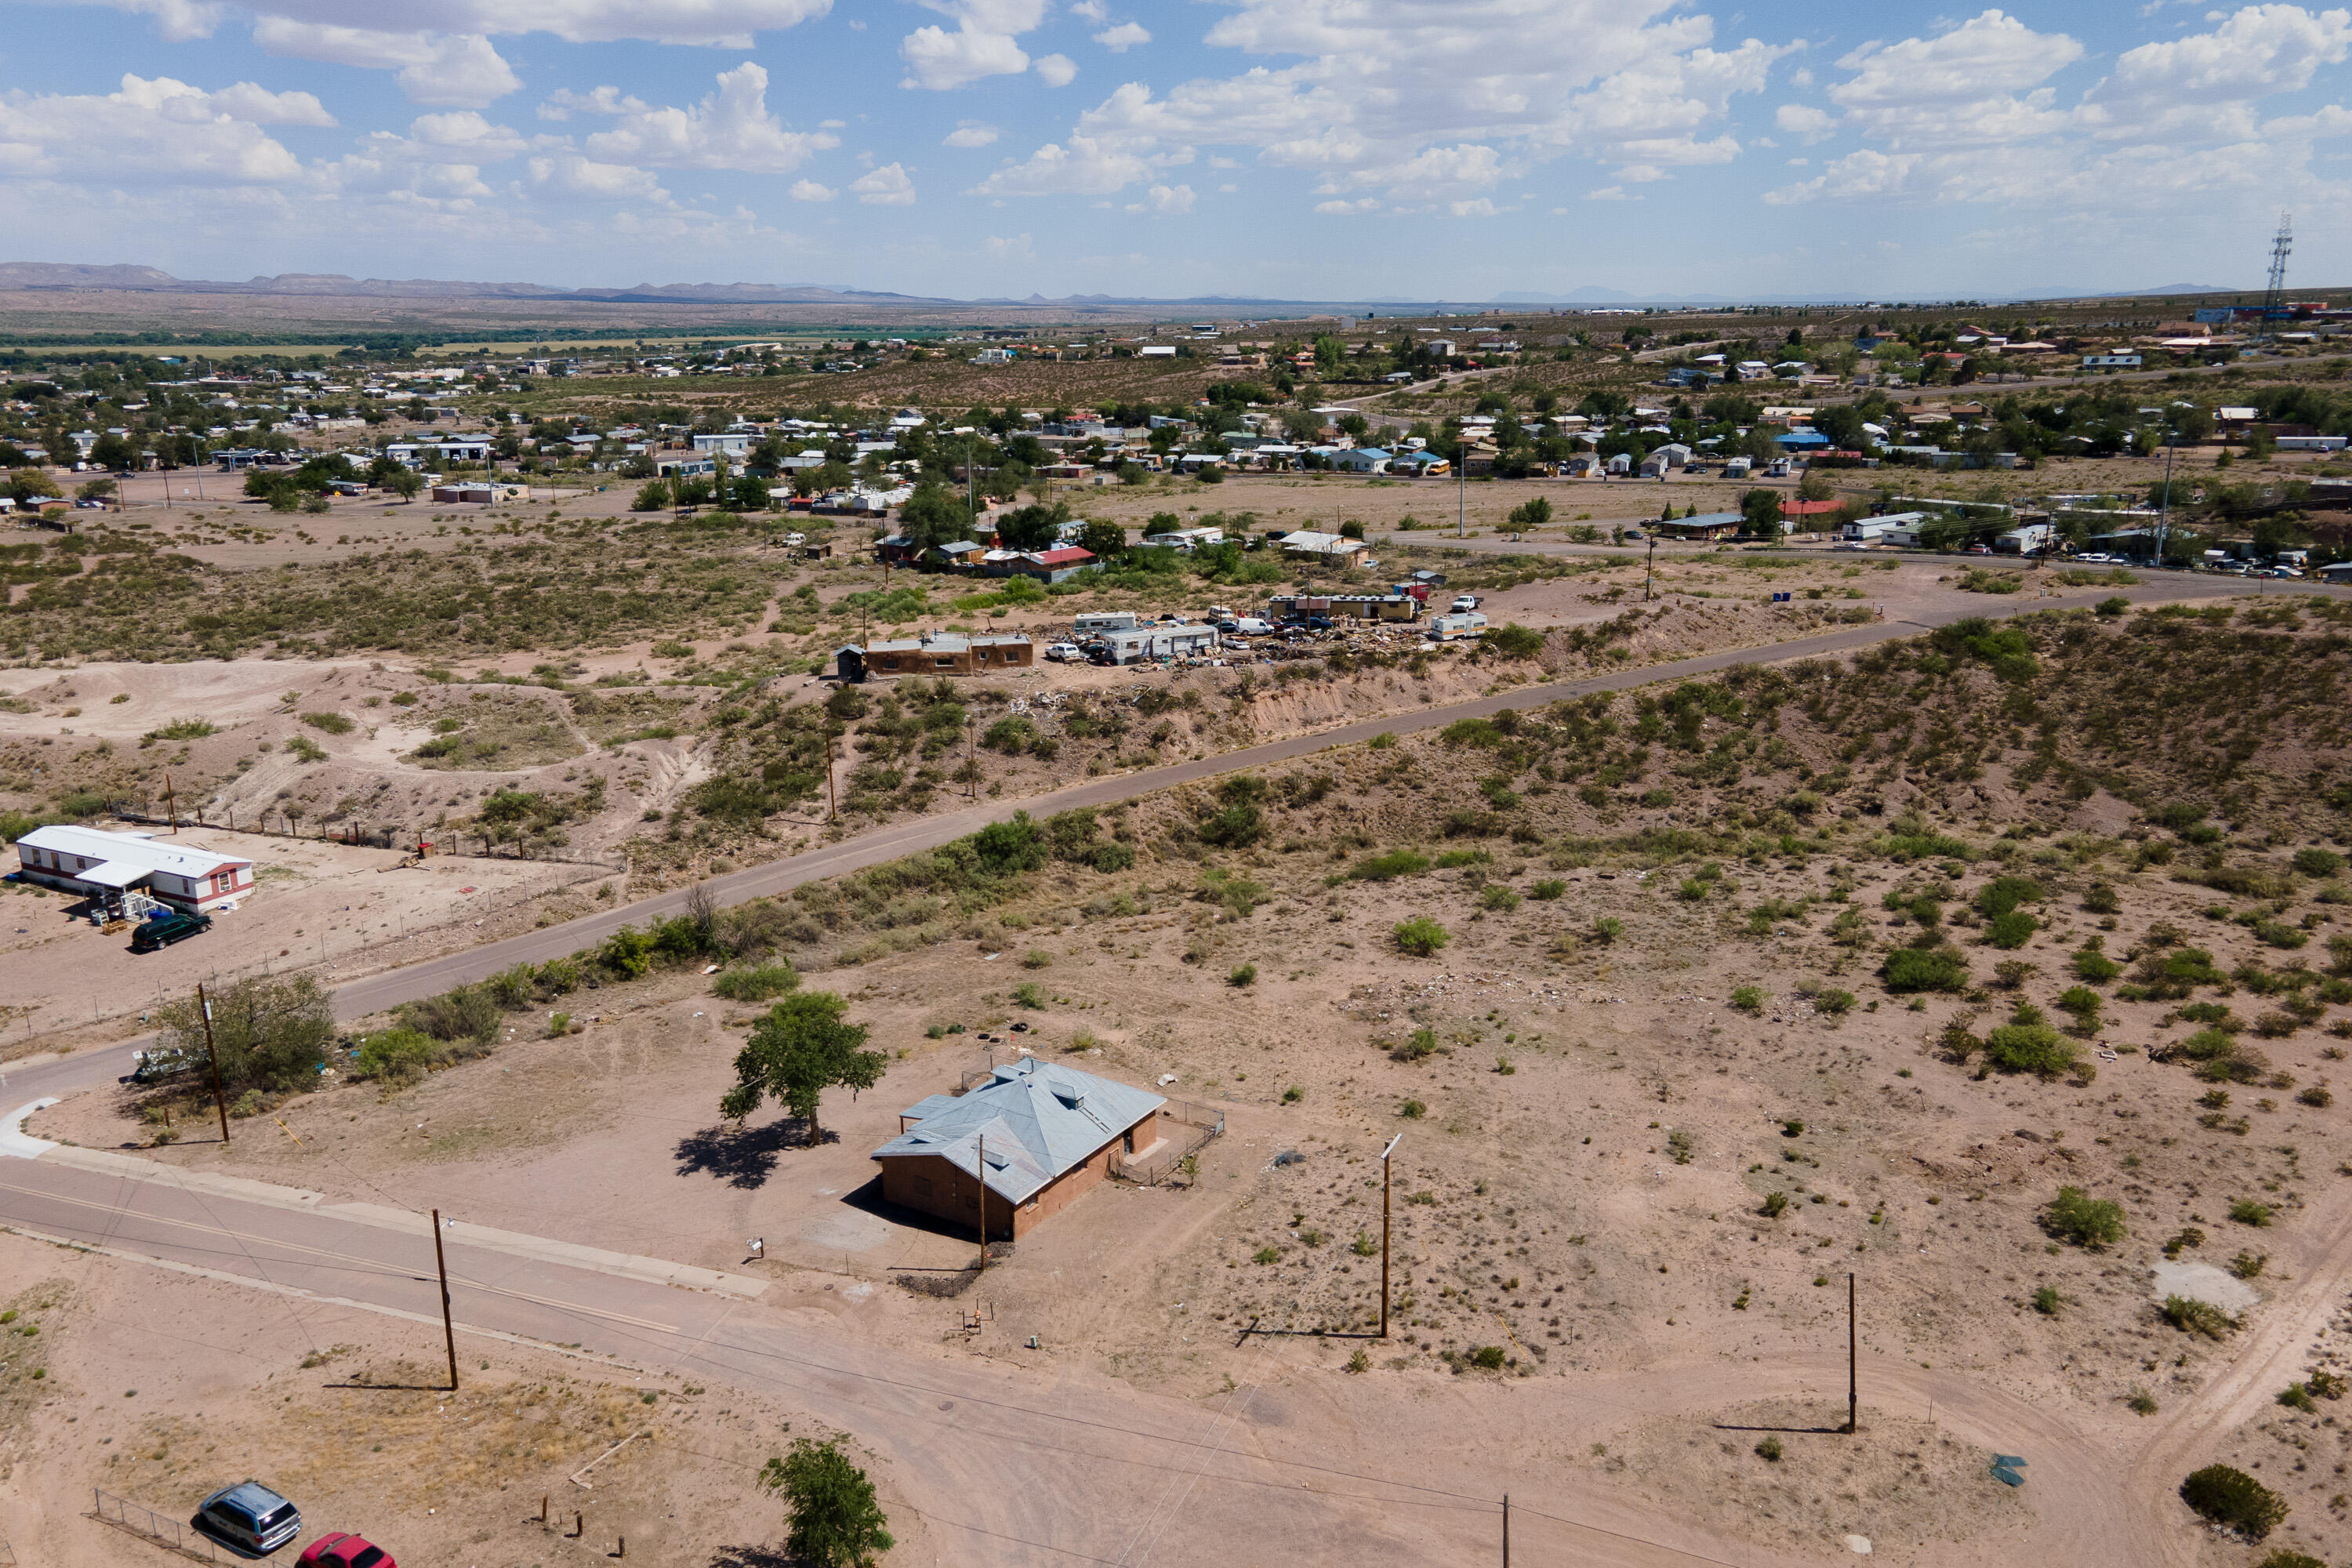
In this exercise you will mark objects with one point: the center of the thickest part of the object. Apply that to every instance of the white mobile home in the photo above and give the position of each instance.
(105, 866)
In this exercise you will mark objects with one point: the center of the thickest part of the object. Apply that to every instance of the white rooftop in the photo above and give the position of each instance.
(141, 852)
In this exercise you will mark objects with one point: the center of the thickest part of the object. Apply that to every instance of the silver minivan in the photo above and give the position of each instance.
(251, 1515)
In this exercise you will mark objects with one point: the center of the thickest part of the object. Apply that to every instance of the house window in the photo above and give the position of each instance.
(1127, 1140)
(944, 663)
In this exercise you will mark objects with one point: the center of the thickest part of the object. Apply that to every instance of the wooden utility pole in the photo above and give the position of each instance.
(1852, 1407)
(1384, 1231)
(979, 1165)
(831, 805)
(971, 753)
(220, 1101)
(1507, 1530)
(171, 805)
(1650, 572)
(448, 1332)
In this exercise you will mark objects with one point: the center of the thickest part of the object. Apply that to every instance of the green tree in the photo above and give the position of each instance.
(1032, 527)
(746, 492)
(1531, 514)
(934, 515)
(269, 1034)
(1106, 540)
(836, 1522)
(797, 1052)
(1760, 511)
(405, 483)
(652, 496)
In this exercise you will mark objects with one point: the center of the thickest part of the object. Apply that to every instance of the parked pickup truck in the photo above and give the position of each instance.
(1465, 603)
(163, 932)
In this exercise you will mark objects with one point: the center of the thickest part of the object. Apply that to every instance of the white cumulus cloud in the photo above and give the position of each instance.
(155, 130)
(887, 186)
(461, 69)
(1086, 167)
(1123, 38)
(971, 134)
(730, 129)
(1164, 200)
(728, 24)
(810, 191)
(1057, 70)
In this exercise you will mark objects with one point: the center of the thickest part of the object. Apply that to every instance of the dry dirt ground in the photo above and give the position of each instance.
(159, 1387)
(1594, 1127)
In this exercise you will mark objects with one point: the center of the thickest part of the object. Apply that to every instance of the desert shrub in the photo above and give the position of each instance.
(2246, 1211)
(1393, 864)
(2099, 898)
(182, 730)
(1489, 1358)
(1926, 969)
(396, 1057)
(513, 988)
(2046, 1301)
(2280, 1557)
(1770, 1450)
(1413, 1110)
(1748, 998)
(1030, 994)
(1546, 890)
(1420, 936)
(2191, 1316)
(2084, 1003)
(2095, 966)
(2012, 929)
(332, 723)
(1775, 1206)
(1419, 1044)
(2074, 1216)
(2234, 1499)
(2002, 894)
(2318, 862)
(1498, 898)
(1244, 974)
(2036, 1048)
(467, 1013)
(1606, 929)
(755, 983)
(1835, 1003)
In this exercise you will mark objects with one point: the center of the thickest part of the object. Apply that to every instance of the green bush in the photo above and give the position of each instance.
(2096, 967)
(2074, 1216)
(2318, 862)
(2012, 929)
(1836, 1003)
(756, 983)
(1385, 868)
(1420, 936)
(1775, 1206)
(1421, 1042)
(1244, 975)
(1546, 890)
(395, 1056)
(332, 723)
(2280, 1557)
(1498, 898)
(2191, 1316)
(467, 1012)
(1413, 1110)
(2231, 1497)
(2246, 1211)
(1030, 994)
(1748, 998)
(1512, 640)
(2002, 894)
(2036, 1048)
(1913, 969)
(1606, 930)
(1489, 1358)
(2046, 1301)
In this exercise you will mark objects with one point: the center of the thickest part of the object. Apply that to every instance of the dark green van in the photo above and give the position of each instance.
(152, 934)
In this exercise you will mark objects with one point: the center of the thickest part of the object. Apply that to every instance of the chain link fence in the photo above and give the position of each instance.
(171, 1534)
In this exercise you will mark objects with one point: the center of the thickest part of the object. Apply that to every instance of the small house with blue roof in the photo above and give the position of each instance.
(1026, 1142)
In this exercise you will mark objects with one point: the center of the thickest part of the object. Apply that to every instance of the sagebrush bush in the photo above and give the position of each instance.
(2231, 1497)
(755, 983)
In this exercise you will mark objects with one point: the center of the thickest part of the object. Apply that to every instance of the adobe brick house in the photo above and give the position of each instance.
(1047, 1133)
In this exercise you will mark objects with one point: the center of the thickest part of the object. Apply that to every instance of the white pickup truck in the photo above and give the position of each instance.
(1465, 603)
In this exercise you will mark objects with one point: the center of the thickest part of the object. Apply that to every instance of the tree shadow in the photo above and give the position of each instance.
(743, 1156)
(754, 1557)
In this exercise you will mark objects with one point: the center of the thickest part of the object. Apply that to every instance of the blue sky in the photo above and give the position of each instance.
(1304, 149)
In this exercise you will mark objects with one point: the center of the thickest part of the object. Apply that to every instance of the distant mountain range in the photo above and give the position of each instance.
(73, 277)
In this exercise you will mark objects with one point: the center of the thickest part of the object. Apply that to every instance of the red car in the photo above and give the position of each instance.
(336, 1550)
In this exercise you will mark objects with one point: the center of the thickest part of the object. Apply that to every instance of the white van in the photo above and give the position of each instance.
(1251, 626)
